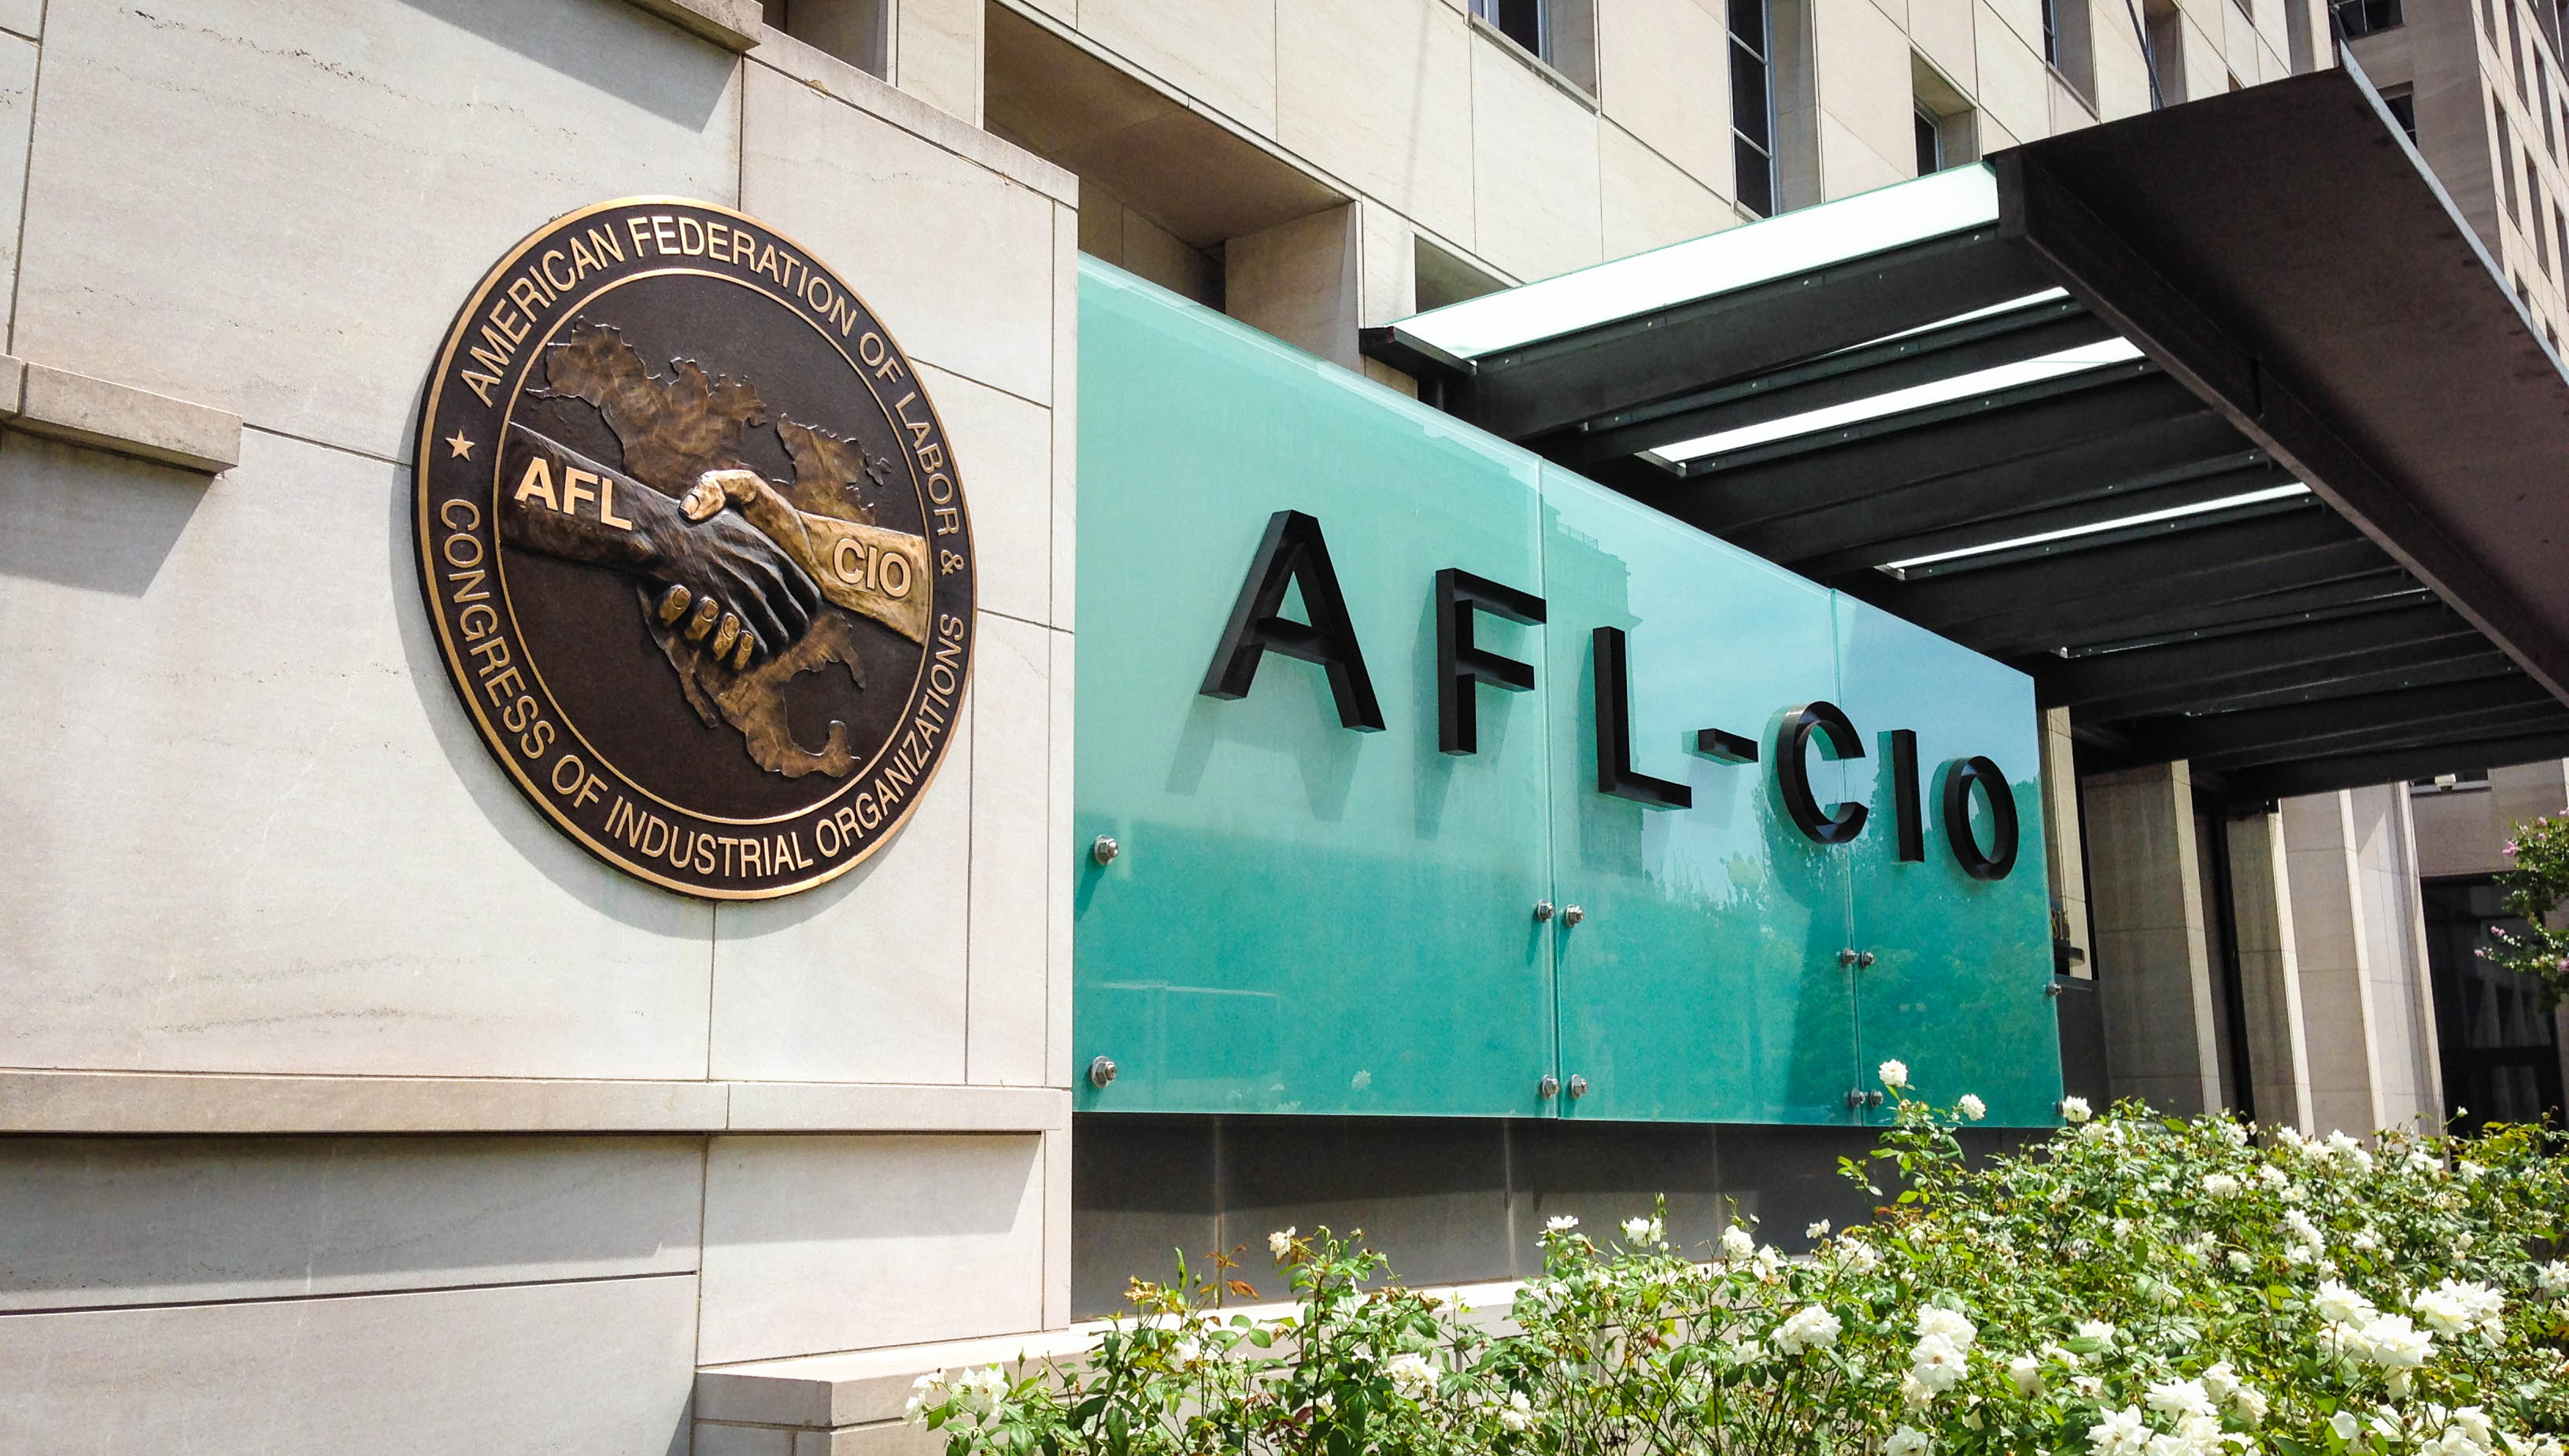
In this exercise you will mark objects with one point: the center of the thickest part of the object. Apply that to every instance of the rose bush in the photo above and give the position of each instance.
(2130, 1286)
(2534, 882)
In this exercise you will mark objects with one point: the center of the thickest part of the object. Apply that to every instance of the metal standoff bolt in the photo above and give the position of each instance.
(1104, 852)
(1548, 1086)
(1863, 959)
(1847, 956)
(1873, 1099)
(1578, 1086)
(1855, 1098)
(1572, 915)
(1101, 1070)
(1543, 909)
(2052, 990)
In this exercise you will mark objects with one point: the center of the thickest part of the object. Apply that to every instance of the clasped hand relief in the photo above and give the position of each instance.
(711, 573)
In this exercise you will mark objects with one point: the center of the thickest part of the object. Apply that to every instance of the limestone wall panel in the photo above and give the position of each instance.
(824, 1244)
(1380, 94)
(597, 1368)
(277, 208)
(251, 826)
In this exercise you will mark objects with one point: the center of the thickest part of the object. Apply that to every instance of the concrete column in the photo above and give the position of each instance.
(2062, 837)
(1298, 281)
(936, 54)
(2360, 928)
(2152, 957)
(2270, 973)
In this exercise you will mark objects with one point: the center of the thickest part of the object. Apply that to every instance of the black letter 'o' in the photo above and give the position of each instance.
(1958, 779)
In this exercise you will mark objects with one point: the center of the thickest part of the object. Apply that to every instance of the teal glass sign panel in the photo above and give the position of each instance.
(1702, 982)
(1962, 966)
(1300, 917)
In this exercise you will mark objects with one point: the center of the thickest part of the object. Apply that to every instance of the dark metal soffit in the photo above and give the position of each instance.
(2308, 308)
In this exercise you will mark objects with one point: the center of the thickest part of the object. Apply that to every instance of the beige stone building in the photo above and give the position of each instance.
(345, 1105)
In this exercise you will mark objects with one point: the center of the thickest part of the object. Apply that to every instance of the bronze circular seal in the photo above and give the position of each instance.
(696, 549)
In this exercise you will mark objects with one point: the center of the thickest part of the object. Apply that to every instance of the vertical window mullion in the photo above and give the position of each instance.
(1752, 105)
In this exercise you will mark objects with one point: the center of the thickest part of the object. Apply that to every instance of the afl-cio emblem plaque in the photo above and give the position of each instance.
(696, 549)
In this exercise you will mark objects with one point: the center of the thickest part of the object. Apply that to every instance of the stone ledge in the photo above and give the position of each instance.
(219, 1103)
(880, 98)
(730, 24)
(43, 400)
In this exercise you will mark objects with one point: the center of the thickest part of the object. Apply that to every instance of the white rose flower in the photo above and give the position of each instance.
(1411, 1374)
(2338, 1305)
(2395, 1345)
(2097, 1330)
(1280, 1242)
(2250, 1402)
(1937, 1363)
(2469, 1171)
(2270, 1176)
(2464, 1305)
(2420, 1161)
(2179, 1399)
(2221, 1381)
(2220, 1184)
(2122, 1434)
(1937, 1322)
(2091, 1386)
(2364, 1240)
(1819, 1229)
(1810, 1327)
(1857, 1256)
(1561, 1223)
(1905, 1441)
(2074, 1110)
(1736, 1242)
(1972, 1107)
(2442, 1313)
(2241, 1261)
(2553, 1277)
(2027, 1373)
(2345, 1425)
(1914, 1396)
(1518, 1413)
(1894, 1074)
(1643, 1231)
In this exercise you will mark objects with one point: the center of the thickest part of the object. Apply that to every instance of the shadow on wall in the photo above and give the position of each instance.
(77, 518)
(1447, 1200)
(605, 44)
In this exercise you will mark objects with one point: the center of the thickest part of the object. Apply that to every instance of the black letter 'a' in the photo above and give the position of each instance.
(1460, 663)
(1614, 773)
(1294, 551)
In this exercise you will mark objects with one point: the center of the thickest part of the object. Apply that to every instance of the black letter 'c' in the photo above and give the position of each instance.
(1292, 550)
(1793, 769)
(1958, 779)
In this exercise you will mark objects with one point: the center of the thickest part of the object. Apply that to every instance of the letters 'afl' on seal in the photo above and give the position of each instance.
(695, 545)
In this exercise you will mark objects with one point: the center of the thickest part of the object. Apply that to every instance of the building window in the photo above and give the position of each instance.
(1752, 105)
(2403, 106)
(2542, 90)
(2516, 46)
(2163, 29)
(2489, 19)
(855, 31)
(2367, 17)
(2505, 160)
(2541, 240)
(1931, 144)
(2051, 33)
(2560, 230)
(1521, 21)
(2497, 1042)
(2069, 47)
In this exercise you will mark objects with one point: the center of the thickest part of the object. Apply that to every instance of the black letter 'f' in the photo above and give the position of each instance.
(1459, 664)
(1294, 551)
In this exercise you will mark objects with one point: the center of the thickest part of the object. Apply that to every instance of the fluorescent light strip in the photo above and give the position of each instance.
(2005, 376)
(1953, 200)
(2251, 498)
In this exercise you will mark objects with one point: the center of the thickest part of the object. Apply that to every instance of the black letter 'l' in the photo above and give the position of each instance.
(1293, 549)
(1615, 733)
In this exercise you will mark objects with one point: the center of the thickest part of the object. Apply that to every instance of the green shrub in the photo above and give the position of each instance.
(2534, 884)
(2132, 1285)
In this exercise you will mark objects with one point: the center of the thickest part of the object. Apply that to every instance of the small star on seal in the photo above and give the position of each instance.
(462, 446)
